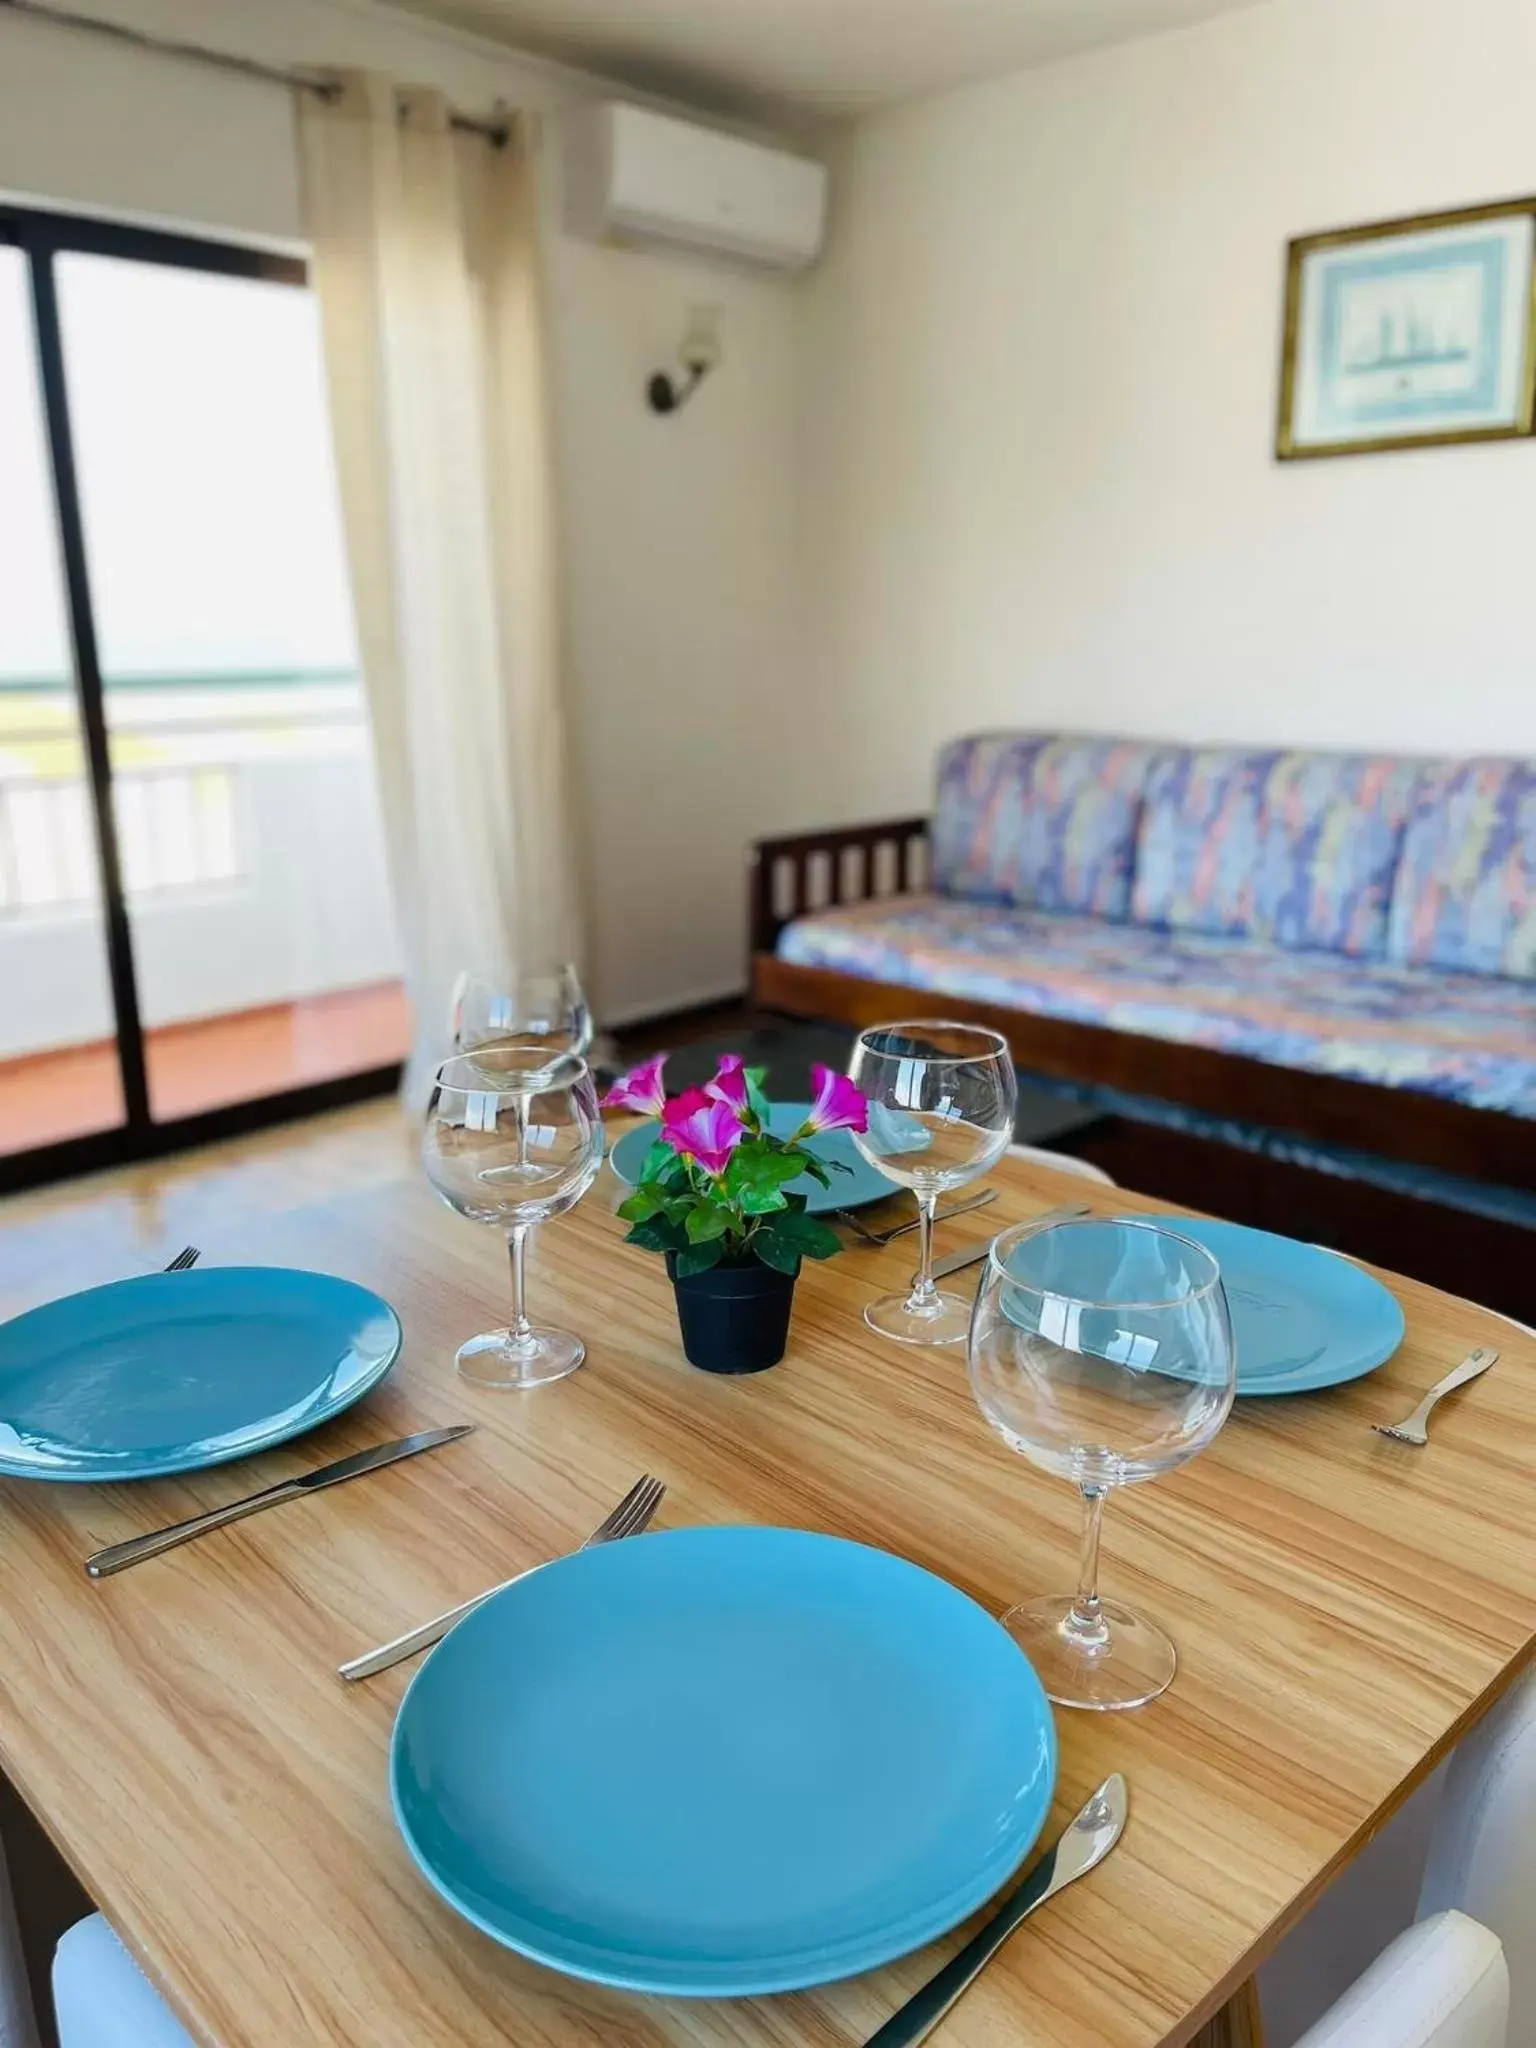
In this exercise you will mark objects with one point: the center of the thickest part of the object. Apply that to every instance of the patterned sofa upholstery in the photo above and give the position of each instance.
(1366, 916)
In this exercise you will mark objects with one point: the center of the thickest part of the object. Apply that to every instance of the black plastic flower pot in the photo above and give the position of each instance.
(734, 1318)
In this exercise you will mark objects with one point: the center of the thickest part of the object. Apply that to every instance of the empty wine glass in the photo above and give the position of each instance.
(1102, 1350)
(942, 1099)
(544, 1010)
(514, 1140)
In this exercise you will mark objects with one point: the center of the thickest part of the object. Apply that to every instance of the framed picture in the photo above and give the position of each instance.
(1410, 333)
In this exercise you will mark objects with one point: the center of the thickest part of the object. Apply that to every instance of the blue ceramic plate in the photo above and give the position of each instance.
(719, 1762)
(175, 1371)
(856, 1189)
(1304, 1318)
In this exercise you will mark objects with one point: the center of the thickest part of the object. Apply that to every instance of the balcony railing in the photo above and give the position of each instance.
(176, 829)
(177, 747)
(247, 823)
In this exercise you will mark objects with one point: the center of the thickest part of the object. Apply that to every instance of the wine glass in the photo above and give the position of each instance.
(514, 1140)
(542, 1009)
(1102, 1350)
(942, 1099)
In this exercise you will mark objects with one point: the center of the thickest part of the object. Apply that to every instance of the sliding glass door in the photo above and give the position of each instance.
(60, 1077)
(200, 855)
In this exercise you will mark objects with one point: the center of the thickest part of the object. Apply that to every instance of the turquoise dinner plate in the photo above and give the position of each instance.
(720, 1762)
(861, 1185)
(175, 1371)
(1303, 1317)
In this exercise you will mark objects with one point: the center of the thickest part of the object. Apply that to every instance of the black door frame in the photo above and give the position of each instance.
(41, 236)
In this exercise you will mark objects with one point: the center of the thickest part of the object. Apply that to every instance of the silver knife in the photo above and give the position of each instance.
(117, 1556)
(973, 1254)
(1076, 1850)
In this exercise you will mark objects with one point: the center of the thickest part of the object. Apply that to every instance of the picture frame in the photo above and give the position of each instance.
(1411, 333)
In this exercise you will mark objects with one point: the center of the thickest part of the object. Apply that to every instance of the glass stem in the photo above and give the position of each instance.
(924, 1294)
(1085, 1617)
(522, 1329)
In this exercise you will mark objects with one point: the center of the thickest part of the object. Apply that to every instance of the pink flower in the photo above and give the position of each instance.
(840, 1104)
(640, 1089)
(730, 1083)
(700, 1128)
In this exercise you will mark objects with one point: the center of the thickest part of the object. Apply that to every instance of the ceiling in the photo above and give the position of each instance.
(809, 59)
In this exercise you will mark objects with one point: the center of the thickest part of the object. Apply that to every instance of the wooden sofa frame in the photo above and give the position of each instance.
(791, 877)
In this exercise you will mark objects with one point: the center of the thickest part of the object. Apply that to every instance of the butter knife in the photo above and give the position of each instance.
(117, 1556)
(973, 1254)
(1075, 1851)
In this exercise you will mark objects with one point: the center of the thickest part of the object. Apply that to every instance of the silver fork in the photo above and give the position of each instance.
(884, 1237)
(633, 1513)
(1412, 1429)
(185, 1259)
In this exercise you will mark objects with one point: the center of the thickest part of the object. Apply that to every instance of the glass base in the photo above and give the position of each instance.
(499, 1359)
(1129, 1663)
(946, 1319)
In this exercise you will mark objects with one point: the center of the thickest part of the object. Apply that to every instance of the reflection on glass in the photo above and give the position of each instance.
(243, 776)
(59, 1075)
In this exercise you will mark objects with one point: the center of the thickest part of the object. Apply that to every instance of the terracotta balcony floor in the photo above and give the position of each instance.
(47, 1097)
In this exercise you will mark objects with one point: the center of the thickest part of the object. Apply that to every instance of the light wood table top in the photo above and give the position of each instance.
(1343, 1607)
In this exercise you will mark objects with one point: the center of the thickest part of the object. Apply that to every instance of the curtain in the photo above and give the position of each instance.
(426, 264)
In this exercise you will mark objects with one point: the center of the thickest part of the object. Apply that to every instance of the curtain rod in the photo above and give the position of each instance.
(495, 131)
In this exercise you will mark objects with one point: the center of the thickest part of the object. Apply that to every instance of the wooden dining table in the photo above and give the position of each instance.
(1344, 1608)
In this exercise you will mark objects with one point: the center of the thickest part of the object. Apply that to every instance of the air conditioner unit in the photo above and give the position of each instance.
(635, 176)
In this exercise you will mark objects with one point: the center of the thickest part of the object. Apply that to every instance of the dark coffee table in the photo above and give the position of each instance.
(789, 1049)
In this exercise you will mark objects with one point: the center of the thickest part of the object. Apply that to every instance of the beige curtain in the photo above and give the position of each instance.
(426, 261)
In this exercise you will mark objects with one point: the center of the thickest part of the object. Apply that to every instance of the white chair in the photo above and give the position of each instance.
(1442, 1984)
(1064, 1162)
(102, 1999)
(1465, 1840)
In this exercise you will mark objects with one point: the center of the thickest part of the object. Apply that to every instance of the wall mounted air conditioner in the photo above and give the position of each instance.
(635, 176)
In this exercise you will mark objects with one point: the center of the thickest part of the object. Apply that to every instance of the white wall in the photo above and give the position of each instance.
(1039, 384)
(679, 549)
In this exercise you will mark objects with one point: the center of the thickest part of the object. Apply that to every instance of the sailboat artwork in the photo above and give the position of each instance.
(1410, 333)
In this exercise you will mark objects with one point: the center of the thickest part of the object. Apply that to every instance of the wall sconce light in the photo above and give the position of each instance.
(698, 352)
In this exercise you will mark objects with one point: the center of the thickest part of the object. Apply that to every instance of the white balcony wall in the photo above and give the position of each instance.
(306, 912)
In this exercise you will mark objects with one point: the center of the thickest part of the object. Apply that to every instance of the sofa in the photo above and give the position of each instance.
(1337, 945)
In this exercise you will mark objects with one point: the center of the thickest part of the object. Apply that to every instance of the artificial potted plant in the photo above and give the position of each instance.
(713, 1197)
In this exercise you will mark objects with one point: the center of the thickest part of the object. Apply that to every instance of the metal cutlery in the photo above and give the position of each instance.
(884, 1237)
(185, 1259)
(1413, 1428)
(117, 1556)
(629, 1518)
(973, 1254)
(1075, 1851)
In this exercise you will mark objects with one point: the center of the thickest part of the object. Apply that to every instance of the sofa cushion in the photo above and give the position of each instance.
(1048, 822)
(1298, 849)
(1467, 1037)
(1466, 886)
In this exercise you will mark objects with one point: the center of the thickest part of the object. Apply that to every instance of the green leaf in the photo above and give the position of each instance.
(698, 1258)
(642, 1203)
(818, 1172)
(656, 1234)
(761, 1201)
(773, 1169)
(705, 1225)
(757, 1101)
(660, 1164)
(808, 1234)
(776, 1251)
